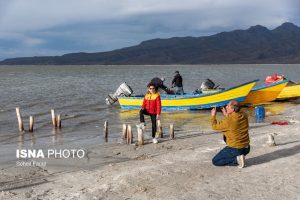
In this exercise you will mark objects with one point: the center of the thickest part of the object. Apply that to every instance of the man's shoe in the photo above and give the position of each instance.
(155, 141)
(241, 161)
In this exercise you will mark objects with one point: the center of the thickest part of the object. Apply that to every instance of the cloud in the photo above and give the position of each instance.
(38, 15)
(32, 41)
(100, 25)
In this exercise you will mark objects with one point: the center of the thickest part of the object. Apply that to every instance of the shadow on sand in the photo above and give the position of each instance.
(274, 155)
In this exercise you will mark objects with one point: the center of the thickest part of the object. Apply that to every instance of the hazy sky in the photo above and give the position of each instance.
(55, 27)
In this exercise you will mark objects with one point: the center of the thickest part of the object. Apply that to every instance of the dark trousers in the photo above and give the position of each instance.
(227, 156)
(153, 120)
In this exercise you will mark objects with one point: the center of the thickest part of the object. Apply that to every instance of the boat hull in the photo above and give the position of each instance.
(289, 92)
(193, 101)
(264, 94)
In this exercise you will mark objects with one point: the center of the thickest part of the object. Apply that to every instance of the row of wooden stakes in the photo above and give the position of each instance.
(126, 132)
(56, 120)
(128, 136)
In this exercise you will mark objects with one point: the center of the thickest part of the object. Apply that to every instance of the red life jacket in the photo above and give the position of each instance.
(152, 103)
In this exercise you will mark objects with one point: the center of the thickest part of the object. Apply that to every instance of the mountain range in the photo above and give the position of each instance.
(256, 44)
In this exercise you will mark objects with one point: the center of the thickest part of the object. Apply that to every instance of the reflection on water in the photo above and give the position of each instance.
(26, 139)
(200, 120)
(21, 139)
(32, 139)
(180, 119)
(56, 136)
(276, 108)
(127, 115)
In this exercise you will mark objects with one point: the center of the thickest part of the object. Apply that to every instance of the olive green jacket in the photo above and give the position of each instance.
(235, 128)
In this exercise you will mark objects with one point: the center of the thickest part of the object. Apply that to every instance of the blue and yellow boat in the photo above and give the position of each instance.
(291, 91)
(265, 93)
(193, 101)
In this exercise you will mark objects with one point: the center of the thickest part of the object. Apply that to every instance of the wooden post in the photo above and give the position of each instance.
(129, 135)
(172, 131)
(31, 122)
(21, 126)
(159, 128)
(53, 118)
(140, 131)
(271, 140)
(124, 132)
(105, 130)
(58, 121)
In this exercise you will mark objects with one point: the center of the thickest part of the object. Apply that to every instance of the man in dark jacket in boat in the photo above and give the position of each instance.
(177, 82)
(235, 128)
(159, 84)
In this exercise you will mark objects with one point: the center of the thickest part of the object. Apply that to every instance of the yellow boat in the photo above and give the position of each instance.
(193, 101)
(292, 90)
(265, 93)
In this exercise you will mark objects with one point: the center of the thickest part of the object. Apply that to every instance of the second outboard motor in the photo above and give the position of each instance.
(207, 84)
(123, 89)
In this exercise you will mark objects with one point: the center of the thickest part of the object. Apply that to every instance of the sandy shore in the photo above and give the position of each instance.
(172, 169)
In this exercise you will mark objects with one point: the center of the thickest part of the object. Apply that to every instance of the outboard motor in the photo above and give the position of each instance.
(123, 89)
(207, 84)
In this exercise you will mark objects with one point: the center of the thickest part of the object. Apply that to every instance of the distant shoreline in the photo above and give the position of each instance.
(254, 45)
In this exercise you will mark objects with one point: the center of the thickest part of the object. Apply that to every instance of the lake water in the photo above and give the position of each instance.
(78, 93)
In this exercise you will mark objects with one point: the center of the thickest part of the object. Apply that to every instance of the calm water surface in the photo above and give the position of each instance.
(78, 93)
